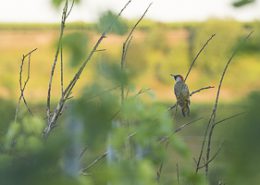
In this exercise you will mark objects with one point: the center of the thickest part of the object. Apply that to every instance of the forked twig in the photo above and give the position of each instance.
(212, 158)
(214, 112)
(62, 27)
(211, 124)
(52, 117)
(22, 85)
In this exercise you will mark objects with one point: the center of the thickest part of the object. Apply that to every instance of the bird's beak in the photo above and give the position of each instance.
(172, 75)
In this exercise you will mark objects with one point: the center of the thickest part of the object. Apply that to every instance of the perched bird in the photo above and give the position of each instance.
(182, 94)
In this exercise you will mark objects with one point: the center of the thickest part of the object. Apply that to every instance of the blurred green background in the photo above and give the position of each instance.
(96, 121)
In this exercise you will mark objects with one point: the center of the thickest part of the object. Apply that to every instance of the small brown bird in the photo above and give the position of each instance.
(182, 94)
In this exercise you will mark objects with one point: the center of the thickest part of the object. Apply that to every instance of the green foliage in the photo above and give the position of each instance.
(216, 54)
(242, 151)
(7, 110)
(119, 25)
(252, 46)
(24, 136)
(157, 39)
(137, 60)
(240, 3)
(76, 44)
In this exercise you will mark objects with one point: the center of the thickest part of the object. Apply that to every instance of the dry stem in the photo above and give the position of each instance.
(52, 117)
(23, 86)
(211, 124)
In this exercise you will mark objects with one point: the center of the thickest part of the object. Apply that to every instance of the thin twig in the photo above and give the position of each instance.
(159, 172)
(166, 138)
(125, 49)
(100, 50)
(230, 117)
(213, 157)
(193, 62)
(214, 112)
(53, 117)
(102, 92)
(201, 89)
(23, 86)
(94, 162)
(71, 7)
(61, 69)
(142, 91)
(62, 27)
(178, 173)
(83, 152)
(192, 93)
(124, 52)
(211, 124)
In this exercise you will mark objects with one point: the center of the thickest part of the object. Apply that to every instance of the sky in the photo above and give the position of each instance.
(161, 10)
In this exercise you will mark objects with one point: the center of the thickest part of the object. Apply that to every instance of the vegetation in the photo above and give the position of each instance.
(115, 127)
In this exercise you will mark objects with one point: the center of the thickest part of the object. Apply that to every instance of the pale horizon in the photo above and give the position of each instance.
(41, 11)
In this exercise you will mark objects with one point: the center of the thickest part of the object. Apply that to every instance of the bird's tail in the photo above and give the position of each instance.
(185, 110)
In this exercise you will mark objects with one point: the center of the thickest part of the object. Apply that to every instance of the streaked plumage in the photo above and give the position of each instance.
(182, 94)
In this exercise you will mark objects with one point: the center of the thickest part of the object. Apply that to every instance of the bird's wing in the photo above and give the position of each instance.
(181, 91)
(185, 91)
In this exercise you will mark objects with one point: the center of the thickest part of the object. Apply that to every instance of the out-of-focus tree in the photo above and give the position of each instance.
(7, 110)
(215, 55)
(253, 45)
(76, 45)
(242, 150)
(241, 3)
(119, 24)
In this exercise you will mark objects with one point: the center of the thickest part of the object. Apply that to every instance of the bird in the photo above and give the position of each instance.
(181, 91)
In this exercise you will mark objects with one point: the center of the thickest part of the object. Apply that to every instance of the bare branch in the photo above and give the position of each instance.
(94, 162)
(63, 21)
(213, 157)
(166, 138)
(83, 152)
(230, 117)
(142, 91)
(192, 93)
(201, 89)
(100, 50)
(125, 49)
(53, 117)
(61, 69)
(214, 112)
(172, 107)
(159, 172)
(102, 92)
(193, 62)
(211, 123)
(71, 7)
(23, 86)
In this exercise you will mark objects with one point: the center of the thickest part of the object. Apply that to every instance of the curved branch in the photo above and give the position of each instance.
(193, 62)
(211, 123)
(192, 93)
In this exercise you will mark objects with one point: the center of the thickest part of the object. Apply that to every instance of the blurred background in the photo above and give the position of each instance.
(165, 42)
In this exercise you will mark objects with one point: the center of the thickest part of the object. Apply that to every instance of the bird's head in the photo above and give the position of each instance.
(177, 77)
